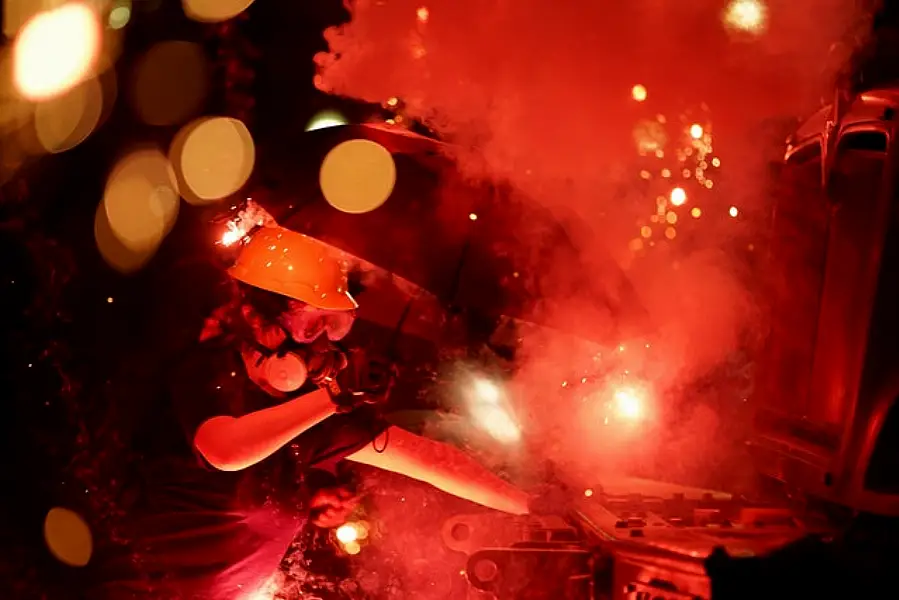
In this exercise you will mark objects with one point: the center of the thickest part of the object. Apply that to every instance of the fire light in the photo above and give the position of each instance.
(486, 391)
(347, 533)
(678, 196)
(628, 404)
(490, 413)
(746, 15)
(233, 235)
(639, 93)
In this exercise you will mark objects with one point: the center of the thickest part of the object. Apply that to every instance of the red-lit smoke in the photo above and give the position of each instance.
(540, 93)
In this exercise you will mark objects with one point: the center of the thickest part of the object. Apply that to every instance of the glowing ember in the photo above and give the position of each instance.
(639, 93)
(696, 131)
(733, 211)
(588, 493)
(746, 15)
(346, 533)
(678, 196)
(696, 212)
(423, 14)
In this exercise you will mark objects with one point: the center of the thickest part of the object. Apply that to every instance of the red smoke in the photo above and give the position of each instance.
(539, 93)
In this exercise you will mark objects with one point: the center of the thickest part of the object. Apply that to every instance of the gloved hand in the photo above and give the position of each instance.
(362, 380)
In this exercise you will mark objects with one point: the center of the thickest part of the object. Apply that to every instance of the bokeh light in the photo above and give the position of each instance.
(352, 548)
(65, 121)
(170, 83)
(746, 15)
(213, 158)
(139, 207)
(696, 131)
(119, 14)
(55, 51)
(678, 196)
(696, 212)
(214, 11)
(639, 93)
(733, 211)
(324, 119)
(357, 176)
(68, 537)
(346, 533)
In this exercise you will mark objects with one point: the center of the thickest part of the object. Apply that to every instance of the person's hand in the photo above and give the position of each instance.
(331, 507)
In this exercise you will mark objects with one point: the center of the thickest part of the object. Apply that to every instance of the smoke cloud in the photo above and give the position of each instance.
(541, 94)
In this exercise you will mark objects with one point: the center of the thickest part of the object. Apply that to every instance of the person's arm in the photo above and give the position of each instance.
(235, 443)
(445, 467)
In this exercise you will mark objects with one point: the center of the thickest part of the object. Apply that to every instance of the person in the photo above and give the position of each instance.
(266, 399)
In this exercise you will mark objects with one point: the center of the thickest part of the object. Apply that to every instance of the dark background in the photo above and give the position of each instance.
(74, 362)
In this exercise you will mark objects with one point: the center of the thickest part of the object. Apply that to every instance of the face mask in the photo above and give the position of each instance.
(305, 324)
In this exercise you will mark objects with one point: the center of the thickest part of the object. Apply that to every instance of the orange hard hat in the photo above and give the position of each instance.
(285, 262)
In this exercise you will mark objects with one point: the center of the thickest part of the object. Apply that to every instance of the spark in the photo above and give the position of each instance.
(678, 196)
(746, 15)
(696, 131)
(639, 93)
(733, 211)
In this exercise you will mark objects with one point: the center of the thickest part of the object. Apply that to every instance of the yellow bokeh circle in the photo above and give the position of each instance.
(357, 176)
(68, 537)
(214, 158)
(66, 120)
(141, 200)
(214, 11)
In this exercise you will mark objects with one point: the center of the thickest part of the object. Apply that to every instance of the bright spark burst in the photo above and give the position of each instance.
(628, 404)
(746, 15)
